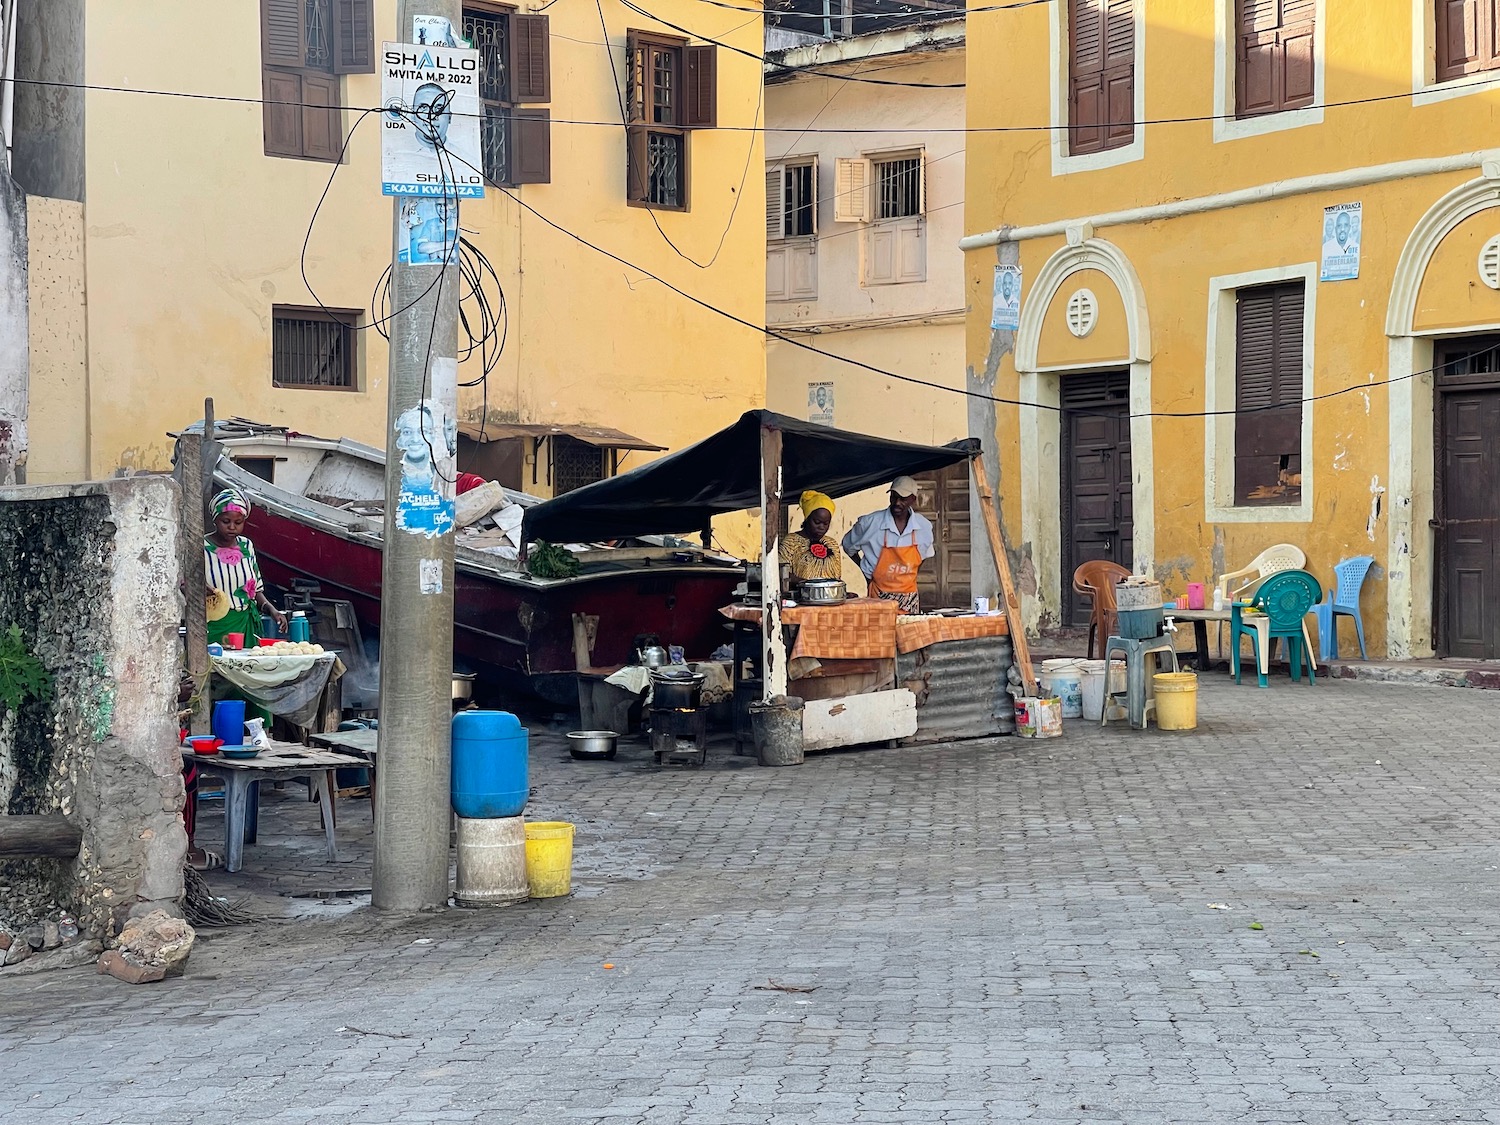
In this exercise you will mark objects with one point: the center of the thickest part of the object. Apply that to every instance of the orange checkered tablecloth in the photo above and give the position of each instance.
(860, 629)
(917, 632)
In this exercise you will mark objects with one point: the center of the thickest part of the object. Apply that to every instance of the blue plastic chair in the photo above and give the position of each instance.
(1343, 602)
(1285, 599)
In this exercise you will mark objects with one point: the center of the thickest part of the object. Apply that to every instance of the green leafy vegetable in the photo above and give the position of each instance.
(547, 560)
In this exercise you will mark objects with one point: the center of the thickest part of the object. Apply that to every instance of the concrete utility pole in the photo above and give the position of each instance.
(416, 628)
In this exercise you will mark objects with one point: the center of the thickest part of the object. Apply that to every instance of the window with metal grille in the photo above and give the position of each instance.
(305, 45)
(898, 187)
(671, 88)
(514, 69)
(574, 464)
(313, 348)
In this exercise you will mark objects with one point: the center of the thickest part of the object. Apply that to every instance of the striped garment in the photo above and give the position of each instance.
(234, 570)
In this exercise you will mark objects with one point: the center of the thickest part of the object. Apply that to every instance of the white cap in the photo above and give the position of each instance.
(904, 486)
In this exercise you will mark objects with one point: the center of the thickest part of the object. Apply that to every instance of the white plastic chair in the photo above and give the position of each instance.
(1283, 556)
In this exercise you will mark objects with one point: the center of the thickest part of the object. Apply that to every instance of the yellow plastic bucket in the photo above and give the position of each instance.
(549, 858)
(1176, 700)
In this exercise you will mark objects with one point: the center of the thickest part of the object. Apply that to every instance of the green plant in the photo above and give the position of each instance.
(547, 560)
(22, 677)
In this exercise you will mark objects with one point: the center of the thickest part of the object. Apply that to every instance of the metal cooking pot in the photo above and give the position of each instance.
(823, 591)
(463, 686)
(676, 689)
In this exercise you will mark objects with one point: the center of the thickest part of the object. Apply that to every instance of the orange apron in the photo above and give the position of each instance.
(896, 569)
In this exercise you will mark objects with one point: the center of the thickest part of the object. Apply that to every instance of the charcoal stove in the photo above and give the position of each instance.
(679, 735)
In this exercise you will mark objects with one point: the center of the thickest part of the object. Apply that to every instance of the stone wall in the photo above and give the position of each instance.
(90, 574)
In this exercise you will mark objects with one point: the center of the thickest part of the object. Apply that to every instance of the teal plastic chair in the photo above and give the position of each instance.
(1285, 599)
(1343, 601)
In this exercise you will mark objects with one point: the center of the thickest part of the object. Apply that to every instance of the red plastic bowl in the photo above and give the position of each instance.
(205, 744)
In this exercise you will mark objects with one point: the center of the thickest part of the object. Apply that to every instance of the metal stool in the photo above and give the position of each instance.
(1140, 690)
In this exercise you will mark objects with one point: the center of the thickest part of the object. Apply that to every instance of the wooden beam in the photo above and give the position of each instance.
(194, 581)
(773, 645)
(1002, 567)
(43, 837)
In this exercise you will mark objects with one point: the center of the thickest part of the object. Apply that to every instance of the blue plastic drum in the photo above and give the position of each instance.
(490, 775)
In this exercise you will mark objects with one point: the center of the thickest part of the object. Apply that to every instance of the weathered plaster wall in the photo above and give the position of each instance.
(89, 573)
(47, 157)
(58, 329)
(14, 391)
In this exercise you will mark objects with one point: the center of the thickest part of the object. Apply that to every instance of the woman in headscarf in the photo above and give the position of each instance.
(236, 597)
(811, 552)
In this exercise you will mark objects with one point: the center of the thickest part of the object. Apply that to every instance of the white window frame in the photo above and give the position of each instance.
(1228, 127)
(1220, 388)
(779, 167)
(896, 226)
(1063, 163)
(1426, 89)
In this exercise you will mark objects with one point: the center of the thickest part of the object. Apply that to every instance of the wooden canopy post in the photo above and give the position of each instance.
(194, 579)
(1002, 566)
(773, 645)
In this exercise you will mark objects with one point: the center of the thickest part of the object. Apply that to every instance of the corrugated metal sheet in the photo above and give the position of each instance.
(960, 689)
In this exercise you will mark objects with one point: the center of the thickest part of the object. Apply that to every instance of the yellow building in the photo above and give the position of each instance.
(864, 190)
(174, 254)
(1199, 373)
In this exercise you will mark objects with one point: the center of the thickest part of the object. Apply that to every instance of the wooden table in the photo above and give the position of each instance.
(284, 761)
(363, 744)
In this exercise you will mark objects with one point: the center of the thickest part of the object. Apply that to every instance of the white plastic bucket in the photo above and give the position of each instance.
(491, 862)
(1093, 687)
(1066, 685)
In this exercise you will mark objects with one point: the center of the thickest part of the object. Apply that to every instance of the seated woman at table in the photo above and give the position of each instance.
(811, 552)
(236, 593)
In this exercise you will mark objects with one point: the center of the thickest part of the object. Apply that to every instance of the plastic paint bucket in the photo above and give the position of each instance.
(1176, 700)
(549, 858)
(1066, 684)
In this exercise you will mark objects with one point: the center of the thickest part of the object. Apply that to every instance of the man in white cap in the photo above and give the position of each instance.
(889, 546)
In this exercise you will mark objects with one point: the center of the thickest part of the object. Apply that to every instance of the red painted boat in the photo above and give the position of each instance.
(319, 517)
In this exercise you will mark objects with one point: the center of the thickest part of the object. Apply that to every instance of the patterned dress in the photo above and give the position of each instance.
(811, 561)
(236, 572)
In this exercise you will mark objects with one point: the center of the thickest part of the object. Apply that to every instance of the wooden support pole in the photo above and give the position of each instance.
(1002, 567)
(47, 837)
(773, 646)
(194, 582)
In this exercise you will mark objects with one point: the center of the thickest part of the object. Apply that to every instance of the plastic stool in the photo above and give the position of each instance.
(1140, 692)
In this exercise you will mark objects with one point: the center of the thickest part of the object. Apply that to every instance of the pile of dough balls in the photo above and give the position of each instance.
(288, 648)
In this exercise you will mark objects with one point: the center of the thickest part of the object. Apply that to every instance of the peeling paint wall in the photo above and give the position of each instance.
(89, 573)
(14, 366)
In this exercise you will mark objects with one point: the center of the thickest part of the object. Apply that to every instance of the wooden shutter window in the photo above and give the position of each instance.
(1101, 75)
(1268, 395)
(531, 146)
(775, 203)
(353, 37)
(636, 188)
(851, 189)
(1467, 33)
(322, 118)
(702, 110)
(1274, 56)
(282, 113)
(530, 58)
(283, 33)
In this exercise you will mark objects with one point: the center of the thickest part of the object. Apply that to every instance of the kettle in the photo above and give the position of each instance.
(651, 653)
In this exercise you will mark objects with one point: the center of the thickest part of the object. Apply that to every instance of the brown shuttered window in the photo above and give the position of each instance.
(305, 45)
(1101, 75)
(515, 67)
(1273, 56)
(1468, 37)
(1268, 395)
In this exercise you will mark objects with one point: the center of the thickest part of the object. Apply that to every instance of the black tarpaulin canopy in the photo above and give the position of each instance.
(680, 493)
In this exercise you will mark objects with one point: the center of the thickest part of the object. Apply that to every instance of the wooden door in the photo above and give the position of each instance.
(945, 579)
(1467, 507)
(1097, 515)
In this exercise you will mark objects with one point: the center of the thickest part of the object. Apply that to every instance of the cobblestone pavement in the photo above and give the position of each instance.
(1000, 931)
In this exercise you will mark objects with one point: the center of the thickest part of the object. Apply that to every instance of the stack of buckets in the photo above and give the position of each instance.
(501, 858)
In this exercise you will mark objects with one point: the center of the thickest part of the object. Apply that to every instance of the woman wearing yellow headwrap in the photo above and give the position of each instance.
(811, 552)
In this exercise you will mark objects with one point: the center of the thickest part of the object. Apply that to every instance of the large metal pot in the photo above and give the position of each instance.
(463, 686)
(676, 689)
(823, 591)
(586, 744)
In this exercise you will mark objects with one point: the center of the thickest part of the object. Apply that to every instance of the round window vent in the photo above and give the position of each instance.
(1083, 312)
(1489, 263)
